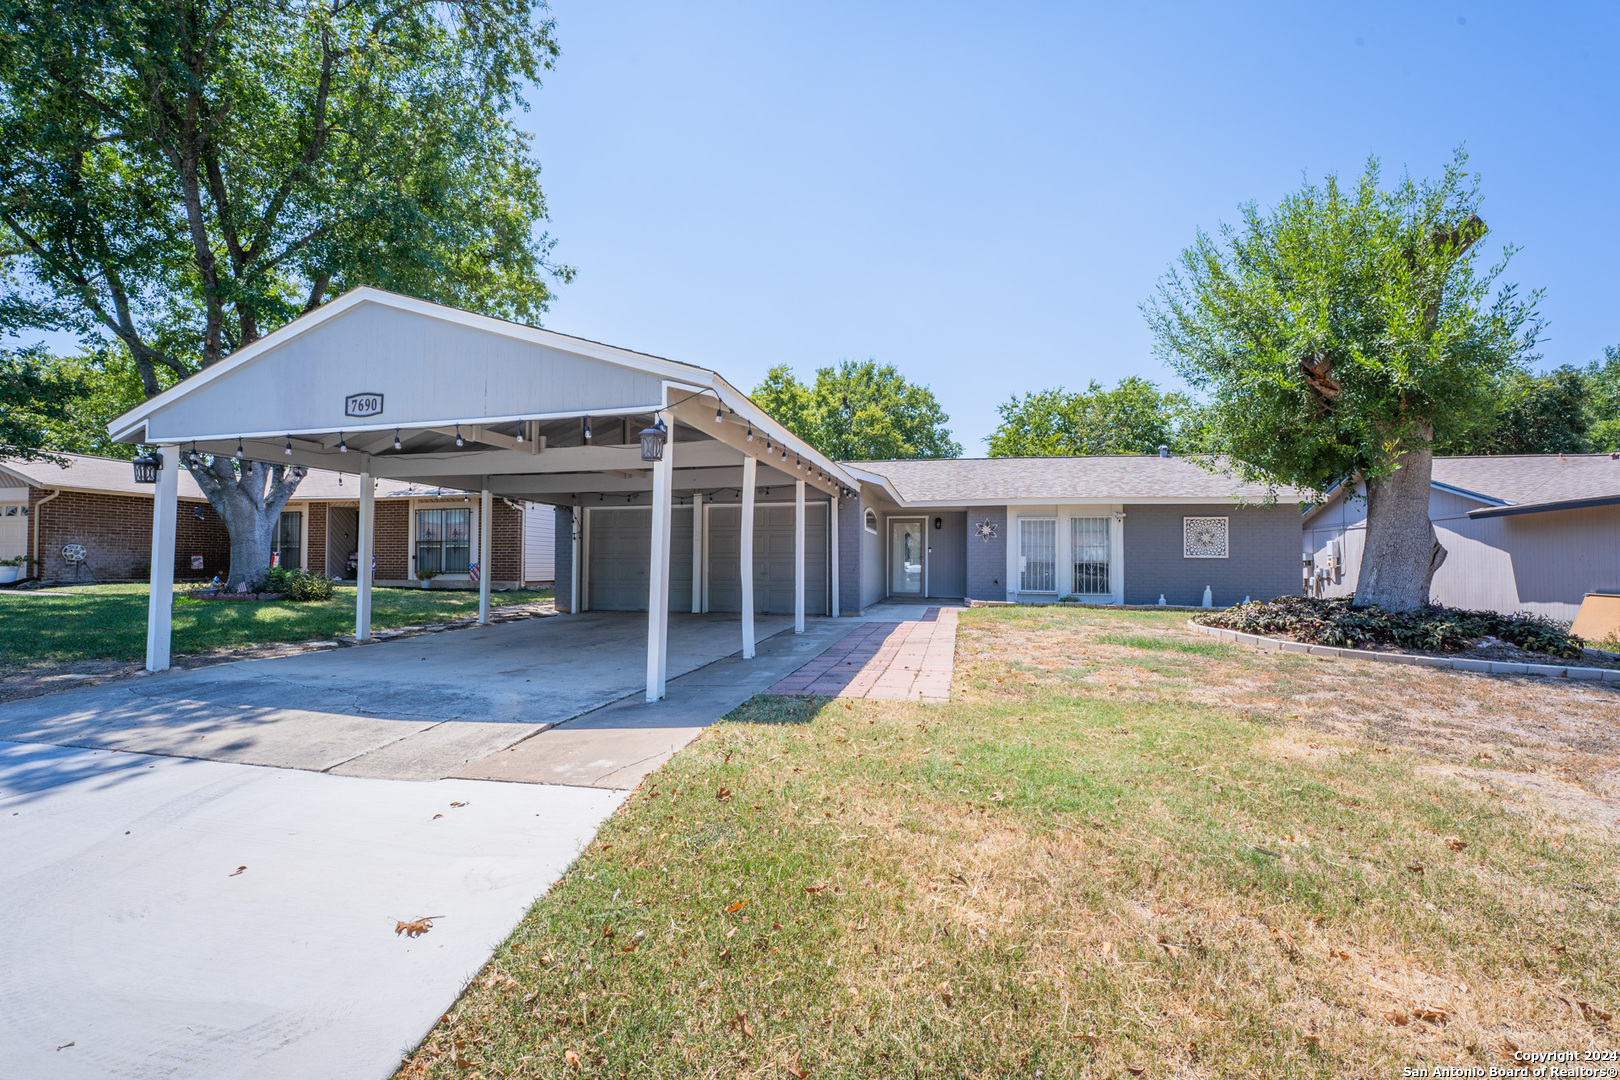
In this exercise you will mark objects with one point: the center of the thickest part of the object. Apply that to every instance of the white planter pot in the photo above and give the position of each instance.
(427, 583)
(9, 574)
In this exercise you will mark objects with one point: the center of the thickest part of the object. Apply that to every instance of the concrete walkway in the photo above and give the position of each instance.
(906, 661)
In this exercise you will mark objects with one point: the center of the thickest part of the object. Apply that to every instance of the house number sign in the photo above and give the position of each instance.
(363, 405)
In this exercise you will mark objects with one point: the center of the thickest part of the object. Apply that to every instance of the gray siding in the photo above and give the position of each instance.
(851, 599)
(874, 576)
(564, 528)
(1264, 561)
(987, 559)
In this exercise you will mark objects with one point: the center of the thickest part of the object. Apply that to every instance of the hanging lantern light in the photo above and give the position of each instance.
(396, 439)
(587, 429)
(288, 451)
(652, 442)
(458, 436)
(238, 449)
(147, 467)
(717, 417)
(520, 433)
(750, 431)
(343, 447)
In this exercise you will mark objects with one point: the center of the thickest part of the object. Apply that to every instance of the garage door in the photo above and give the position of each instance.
(773, 559)
(619, 543)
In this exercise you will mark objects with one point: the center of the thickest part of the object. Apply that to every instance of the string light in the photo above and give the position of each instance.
(238, 449)
(717, 417)
(587, 429)
(343, 447)
(750, 431)
(396, 439)
(458, 436)
(520, 433)
(288, 451)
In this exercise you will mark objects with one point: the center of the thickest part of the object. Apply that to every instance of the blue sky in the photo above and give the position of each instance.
(983, 195)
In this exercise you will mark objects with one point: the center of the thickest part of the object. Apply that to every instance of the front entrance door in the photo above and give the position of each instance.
(905, 557)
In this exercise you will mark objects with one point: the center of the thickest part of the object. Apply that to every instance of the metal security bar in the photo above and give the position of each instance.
(1037, 554)
(1090, 547)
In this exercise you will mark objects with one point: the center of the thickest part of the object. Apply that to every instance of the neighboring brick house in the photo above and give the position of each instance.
(94, 504)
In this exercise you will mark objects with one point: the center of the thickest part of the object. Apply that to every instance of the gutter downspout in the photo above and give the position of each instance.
(39, 556)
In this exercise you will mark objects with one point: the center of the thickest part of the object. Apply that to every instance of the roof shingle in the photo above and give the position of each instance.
(1121, 478)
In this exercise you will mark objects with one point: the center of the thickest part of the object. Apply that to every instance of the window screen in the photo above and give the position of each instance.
(442, 541)
(1037, 554)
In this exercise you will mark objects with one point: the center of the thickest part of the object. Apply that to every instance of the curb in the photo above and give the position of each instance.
(1481, 667)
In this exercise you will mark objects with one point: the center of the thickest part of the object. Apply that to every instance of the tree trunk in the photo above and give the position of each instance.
(249, 497)
(1402, 551)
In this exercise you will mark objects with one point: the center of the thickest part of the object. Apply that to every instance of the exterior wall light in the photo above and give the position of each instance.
(147, 467)
(652, 442)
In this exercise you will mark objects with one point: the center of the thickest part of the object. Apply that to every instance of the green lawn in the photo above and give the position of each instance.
(1119, 850)
(108, 622)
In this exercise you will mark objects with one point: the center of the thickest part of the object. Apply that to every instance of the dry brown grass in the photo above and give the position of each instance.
(1101, 856)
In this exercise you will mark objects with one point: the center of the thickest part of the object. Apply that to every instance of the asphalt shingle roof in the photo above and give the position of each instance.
(1532, 478)
(1116, 477)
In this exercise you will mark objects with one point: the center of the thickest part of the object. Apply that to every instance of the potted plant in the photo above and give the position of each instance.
(426, 578)
(11, 569)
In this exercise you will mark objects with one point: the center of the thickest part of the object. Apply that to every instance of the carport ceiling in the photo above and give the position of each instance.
(432, 395)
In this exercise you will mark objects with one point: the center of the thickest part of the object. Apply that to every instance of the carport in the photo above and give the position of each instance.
(672, 480)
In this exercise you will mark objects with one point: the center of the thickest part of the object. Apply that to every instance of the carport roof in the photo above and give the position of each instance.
(114, 476)
(1103, 478)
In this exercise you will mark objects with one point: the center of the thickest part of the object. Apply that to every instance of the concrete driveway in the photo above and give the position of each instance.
(126, 810)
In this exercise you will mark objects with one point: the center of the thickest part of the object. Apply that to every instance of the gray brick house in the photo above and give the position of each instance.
(1107, 530)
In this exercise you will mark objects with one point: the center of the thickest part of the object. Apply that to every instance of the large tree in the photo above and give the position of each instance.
(1135, 417)
(859, 412)
(1341, 333)
(179, 177)
(1603, 401)
(34, 397)
(1549, 413)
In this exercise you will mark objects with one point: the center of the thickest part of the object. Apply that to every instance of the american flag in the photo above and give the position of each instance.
(472, 572)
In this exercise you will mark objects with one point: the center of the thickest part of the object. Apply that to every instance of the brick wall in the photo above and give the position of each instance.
(987, 559)
(391, 535)
(316, 515)
(1263, 561)
(850, 514)
(564, 571)
(506, 543)
(116, 533)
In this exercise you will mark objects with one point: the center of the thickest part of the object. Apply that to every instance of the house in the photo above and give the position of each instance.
(675, 492)
(1531, 533)
(91, 507)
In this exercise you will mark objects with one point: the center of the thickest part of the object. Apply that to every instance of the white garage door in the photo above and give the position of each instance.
(773, 559)
(619, 545)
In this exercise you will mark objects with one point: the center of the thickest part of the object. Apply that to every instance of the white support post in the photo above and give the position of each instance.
(160, 604)
(575, 551)
(697, 553)
(486, 533)
(798, 557)
(363, 555)
(658, 573)
(745, 554)
(832, 561)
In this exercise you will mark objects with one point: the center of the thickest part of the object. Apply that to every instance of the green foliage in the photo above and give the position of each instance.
(1344, 327)
(35, 398)
(186, 176)
(1132, 418)
(1540, 414)
(296, 585)
(106, 385)
(1603, 401)
(859, 412)
(1433, 629)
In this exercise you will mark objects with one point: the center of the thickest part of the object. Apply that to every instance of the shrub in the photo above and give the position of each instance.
(1432, 629)
(298, 585)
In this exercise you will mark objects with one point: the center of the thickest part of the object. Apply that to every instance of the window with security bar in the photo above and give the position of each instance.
(1089, 544)
(443, 541)
(1037, 554)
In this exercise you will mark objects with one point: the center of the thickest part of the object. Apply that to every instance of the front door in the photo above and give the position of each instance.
(905, 557)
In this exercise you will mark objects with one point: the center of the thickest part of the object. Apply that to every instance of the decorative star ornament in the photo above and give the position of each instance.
(986, 531)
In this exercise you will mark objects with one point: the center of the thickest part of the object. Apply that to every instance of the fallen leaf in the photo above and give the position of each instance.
(1136, 1070)
(814, 888)
(1416, 868)
(1398, 1017)
(238, 870)
(436, 817)
(65, 1045)
(1455, 844)
(416, 927)
(1339, 954)
(997, 797)
(738, 906)
(1429, 1013)
(723, 793)
(607, 931)
(797, 1069)
(571, 1058)
(458, 804)
(1592, 1013)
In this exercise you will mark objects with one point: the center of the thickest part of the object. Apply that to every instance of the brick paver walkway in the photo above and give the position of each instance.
(908, 661)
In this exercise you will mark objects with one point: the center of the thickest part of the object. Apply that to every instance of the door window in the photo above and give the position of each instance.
(906, 558)
(1037, 554)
